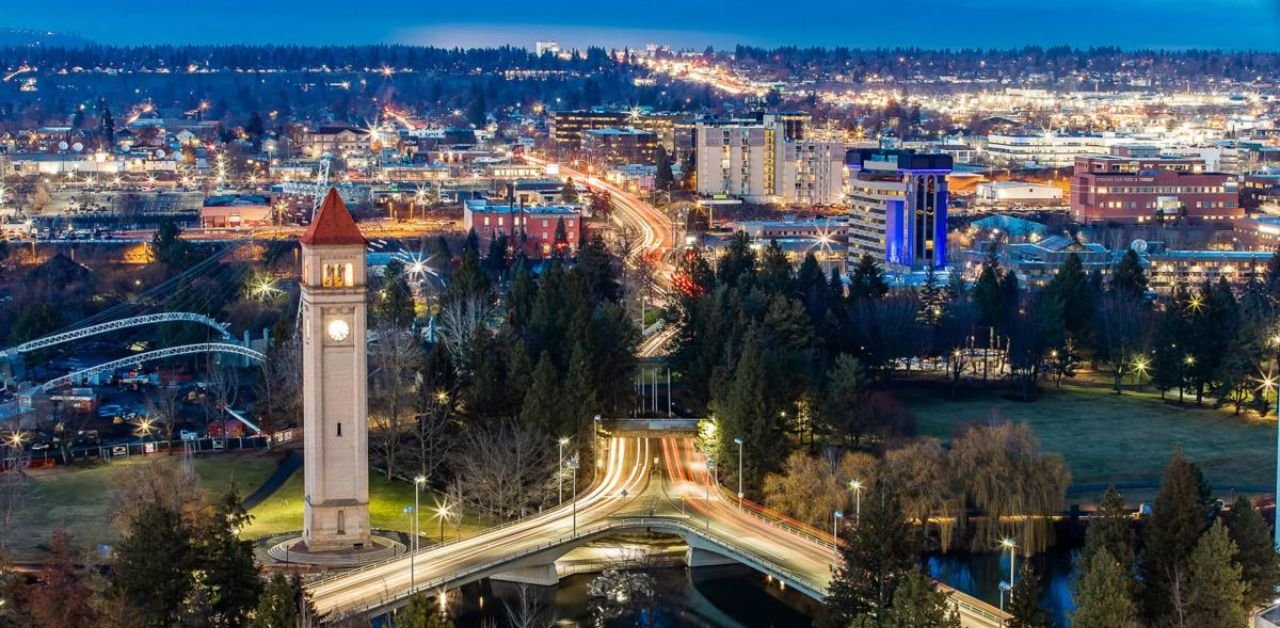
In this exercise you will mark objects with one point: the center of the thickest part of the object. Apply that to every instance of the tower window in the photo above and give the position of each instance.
(338, 276)
(339, 429)
(342, 522)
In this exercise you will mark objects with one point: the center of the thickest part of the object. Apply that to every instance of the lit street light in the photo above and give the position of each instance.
(739, 442)
(1268, 383)
(560, 476)
(1009, 545)
(418, 481)
(856, 485)
(442, 513)
(835, 531)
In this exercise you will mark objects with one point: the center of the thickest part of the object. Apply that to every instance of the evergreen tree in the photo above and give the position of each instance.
(1102, 595)
(877, 556)
(596, 266)
(394, 304)
(477, 109)
(522, 295)
(747, 415)
(495, 260)
(846, 399)
(601, 204)
(664, 179)
(469, 280)
(542, 406)
(168, 247)
(62, 597)
(1215, 587)
(569, 193)
(737, 266)
(1071, 286)
(1255, 553)
(228, 573)
(775, 271)
(421, 612)
(1181, 512)
(580, 403)
(919, 604)
(988, 293)
(154, 564)
(1110, 530)
(1024, 601)
(866, 281)
(1128, 275)
(284, 604)
(560, 241)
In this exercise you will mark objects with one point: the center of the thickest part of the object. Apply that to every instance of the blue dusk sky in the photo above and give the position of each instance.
(1170, 24)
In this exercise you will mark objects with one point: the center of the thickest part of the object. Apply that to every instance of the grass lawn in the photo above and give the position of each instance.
(282, 511)
(79, 499)
(1117, 438)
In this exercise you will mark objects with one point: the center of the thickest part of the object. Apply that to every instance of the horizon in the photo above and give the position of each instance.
(1236, 25)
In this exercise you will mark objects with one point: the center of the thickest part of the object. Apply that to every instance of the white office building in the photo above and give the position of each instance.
(769, 161)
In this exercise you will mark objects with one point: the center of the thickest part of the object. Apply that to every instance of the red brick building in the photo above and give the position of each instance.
(1135, 184)
(531, 228)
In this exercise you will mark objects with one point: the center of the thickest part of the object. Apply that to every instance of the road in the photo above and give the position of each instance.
(656, 238)
(645, 483)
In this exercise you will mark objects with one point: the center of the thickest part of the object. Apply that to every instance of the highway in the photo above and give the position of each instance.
(659, 484)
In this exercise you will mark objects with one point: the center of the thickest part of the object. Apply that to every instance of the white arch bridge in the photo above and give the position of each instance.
(124, 323)
(158, 354)
(643, 484)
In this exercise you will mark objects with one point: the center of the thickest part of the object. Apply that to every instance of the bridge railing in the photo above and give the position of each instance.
(442, 582)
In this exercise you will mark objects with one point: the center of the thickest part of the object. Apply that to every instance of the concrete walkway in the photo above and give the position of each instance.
(291, 463)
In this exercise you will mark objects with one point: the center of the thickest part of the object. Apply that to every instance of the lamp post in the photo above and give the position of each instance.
(856, 485)
(1268, 384)
(418, 481)
(1009, 545)
(573, 466)
(562, 442)
(442, 513)
(835, 531)
(739, 442)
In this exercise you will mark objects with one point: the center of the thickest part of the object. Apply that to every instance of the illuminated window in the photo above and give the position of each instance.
(338, 276)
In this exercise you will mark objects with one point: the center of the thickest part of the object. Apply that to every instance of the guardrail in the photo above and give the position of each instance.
(745, 556)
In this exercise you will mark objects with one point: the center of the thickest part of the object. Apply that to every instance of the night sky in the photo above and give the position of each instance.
(1173, 24)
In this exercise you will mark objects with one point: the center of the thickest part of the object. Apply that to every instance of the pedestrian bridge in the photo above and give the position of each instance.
(642, 428)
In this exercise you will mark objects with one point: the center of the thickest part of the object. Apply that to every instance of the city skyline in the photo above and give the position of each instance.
(1180, 24)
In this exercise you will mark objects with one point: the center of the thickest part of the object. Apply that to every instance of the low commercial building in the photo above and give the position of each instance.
(235, 210)
(1168, 269)
(620, 146)
(1036, 263)
(1018, 193)
(1136, 184)
(528, 228)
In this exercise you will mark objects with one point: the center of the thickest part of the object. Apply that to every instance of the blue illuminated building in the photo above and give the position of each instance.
(898, 208)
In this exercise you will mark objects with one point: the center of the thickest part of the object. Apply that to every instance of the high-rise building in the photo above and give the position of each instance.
(898, 207)
(771, 159)
(1138, 184)
(334, 382)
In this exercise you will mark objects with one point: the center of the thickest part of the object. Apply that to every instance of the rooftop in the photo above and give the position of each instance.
(333, 224)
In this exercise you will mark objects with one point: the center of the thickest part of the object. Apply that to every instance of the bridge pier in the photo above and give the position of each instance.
(697, 557)
(540, 575)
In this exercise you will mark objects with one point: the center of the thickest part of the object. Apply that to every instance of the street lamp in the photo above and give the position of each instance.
(739, 442)
(1268, 383)
(560, 476)
(711, 465)
(856, 485)
(1008, 544)
(573, 465)
(418, 481)
(442, 513)
(835, 531)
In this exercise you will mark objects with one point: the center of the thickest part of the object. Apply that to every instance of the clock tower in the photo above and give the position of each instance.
(334, 381)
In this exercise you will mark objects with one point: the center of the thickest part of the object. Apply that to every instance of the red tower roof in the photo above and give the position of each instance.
(332, 224)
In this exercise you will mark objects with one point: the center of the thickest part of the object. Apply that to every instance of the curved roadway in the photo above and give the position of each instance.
(643, 483)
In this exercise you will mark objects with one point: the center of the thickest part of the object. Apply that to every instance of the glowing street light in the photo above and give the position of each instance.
(1007, 544)
(418, 482)
(442, 513)
(856, 486)
(739, 442)
(1269, 383)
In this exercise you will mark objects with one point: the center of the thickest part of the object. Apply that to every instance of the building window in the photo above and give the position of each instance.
(339, 429)
(338, 276)
(342, 522)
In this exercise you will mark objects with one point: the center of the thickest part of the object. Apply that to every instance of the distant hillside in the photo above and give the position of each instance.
(27, 37)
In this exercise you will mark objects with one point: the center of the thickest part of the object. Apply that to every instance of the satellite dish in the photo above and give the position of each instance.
(160, 153)
(77, 147)
(1138, 246)
(62, 146)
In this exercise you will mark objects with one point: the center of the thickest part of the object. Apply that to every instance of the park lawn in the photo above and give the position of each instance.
(1106, 437)
(79, 499)
(282, 511)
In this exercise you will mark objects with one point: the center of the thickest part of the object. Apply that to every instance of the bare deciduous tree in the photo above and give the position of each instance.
(280, 386)
(16, 488)
(505, 469)
(395, 356)
(527, 610)
(461, 320)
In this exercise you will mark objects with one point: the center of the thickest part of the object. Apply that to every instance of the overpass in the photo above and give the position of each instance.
(644, 484)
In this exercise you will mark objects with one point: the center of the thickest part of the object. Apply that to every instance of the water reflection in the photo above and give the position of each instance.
(979, 575)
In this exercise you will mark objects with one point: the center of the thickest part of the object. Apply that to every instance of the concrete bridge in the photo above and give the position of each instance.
(644, 484)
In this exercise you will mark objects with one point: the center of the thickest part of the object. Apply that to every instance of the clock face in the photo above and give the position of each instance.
(339, 330)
